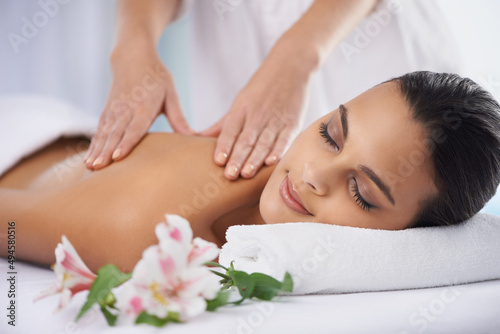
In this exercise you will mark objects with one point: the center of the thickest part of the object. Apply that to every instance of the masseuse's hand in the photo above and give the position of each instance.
(142, 89)
(264, 118)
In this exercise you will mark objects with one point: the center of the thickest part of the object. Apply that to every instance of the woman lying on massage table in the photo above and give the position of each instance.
(420, 150)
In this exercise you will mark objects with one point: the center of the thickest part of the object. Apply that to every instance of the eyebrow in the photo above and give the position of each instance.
(380, 184)
(343, 120)
(367, 170)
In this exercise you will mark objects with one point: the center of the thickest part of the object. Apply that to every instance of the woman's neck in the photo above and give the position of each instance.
(248, 214)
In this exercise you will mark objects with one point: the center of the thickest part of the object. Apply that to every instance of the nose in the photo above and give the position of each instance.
(320, 176)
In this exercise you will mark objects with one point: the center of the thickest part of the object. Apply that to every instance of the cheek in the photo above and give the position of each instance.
(336, 211)
(268, 204)
(271, 206)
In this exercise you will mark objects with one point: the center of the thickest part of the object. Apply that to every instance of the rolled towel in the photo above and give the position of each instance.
(30, 122)
(336, 259)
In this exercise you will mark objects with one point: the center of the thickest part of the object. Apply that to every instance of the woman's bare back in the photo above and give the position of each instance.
(109, 215)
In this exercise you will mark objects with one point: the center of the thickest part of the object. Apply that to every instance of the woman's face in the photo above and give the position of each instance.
(364, 165)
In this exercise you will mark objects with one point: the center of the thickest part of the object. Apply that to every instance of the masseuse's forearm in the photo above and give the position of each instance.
(322, 28)
(140, 23)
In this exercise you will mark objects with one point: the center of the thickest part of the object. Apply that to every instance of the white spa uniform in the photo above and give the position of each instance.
(229, 40)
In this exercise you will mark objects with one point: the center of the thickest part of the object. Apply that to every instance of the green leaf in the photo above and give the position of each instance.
(243, 282)
(110, 317)
(261, 279)
(108, 277)
(218, 301)
(287, 285)
(255, 285)
(174, 317)
(266, 287)
(220, 274)
(215, 264)
(145, 318)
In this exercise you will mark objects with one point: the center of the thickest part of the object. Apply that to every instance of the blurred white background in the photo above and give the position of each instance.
(67, 54)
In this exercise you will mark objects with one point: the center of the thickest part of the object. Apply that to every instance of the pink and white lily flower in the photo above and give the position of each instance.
(72, 274)
(171, 276)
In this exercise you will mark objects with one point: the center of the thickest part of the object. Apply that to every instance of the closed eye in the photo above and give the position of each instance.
(360, 201)
(323, 131)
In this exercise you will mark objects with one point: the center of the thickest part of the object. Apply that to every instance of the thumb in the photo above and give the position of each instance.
(214, 130)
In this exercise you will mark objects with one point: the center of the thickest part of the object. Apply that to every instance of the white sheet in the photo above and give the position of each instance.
(469, 308)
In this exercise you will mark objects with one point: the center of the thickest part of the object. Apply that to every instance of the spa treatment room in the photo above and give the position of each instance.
(249, 166)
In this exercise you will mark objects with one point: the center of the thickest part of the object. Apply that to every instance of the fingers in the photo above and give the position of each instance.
(135, 131)
(109, 133)
(280, 146)
(107, 153)
(231, 129)
(119, 130)
(260, 151)
(98, 142)
(253, 147)
(242, 148)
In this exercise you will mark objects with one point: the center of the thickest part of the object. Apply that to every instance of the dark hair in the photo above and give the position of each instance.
(462, 124)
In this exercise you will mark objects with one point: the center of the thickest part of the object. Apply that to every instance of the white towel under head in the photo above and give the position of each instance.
(334, 259)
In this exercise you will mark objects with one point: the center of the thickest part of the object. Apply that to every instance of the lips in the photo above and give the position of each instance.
(291, 198)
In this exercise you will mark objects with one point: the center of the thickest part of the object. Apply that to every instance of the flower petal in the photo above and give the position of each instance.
(129, 299)
(171, 276)
(192, 307)
(180, 229)
(64, 300)
(52, 290)
(75, 258)
(202, 252)
(72, 275)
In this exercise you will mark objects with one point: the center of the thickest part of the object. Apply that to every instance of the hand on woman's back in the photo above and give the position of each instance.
(142, 89)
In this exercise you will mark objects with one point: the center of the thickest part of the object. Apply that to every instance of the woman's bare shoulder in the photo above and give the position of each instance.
(196, 185)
